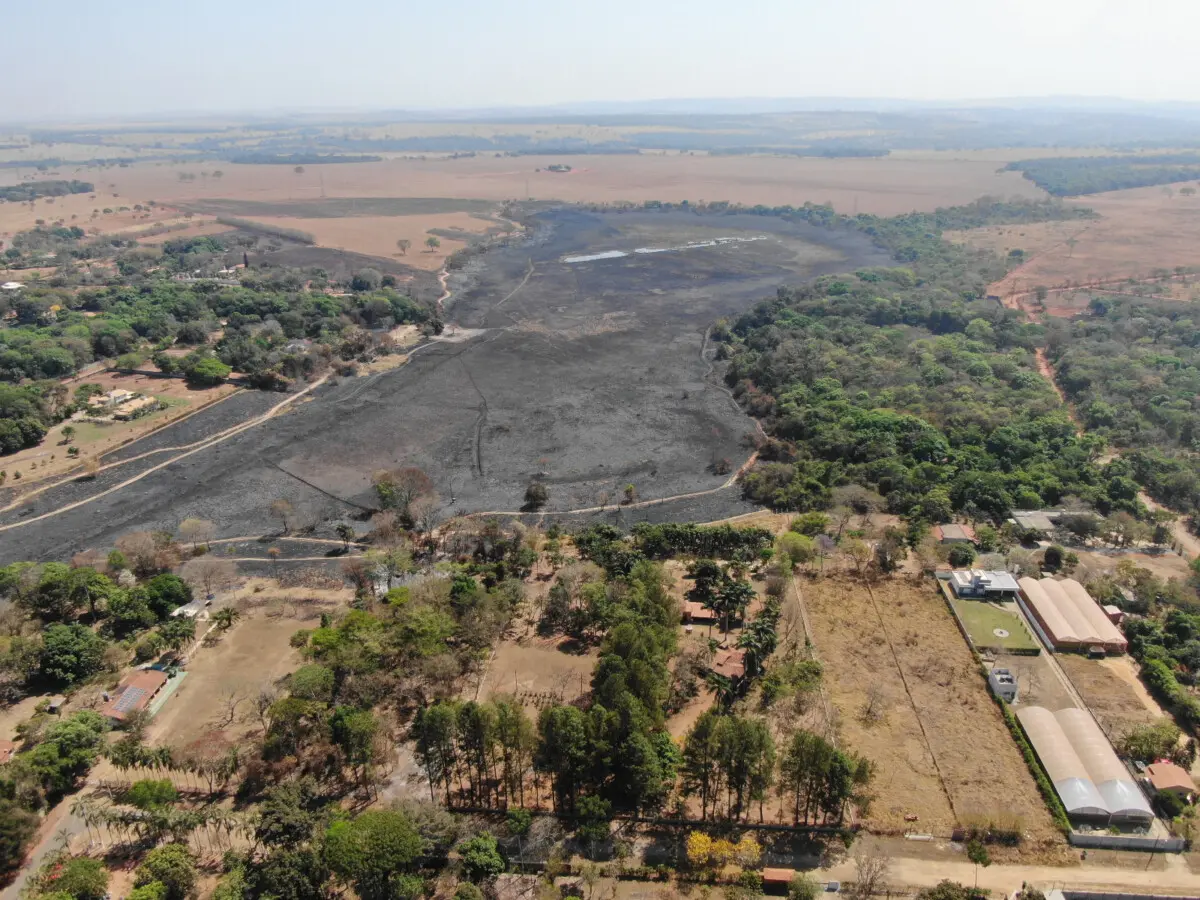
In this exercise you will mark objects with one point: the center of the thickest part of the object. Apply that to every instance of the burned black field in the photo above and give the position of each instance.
(588, 375)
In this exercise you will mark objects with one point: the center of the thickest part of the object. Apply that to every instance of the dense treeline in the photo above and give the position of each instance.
(1169, 651)
(34, 190)
(723, 541)
(1132, 370)
(908, 381)
(1075, 175)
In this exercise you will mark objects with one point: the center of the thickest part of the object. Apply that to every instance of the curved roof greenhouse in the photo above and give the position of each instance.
(1087, 775)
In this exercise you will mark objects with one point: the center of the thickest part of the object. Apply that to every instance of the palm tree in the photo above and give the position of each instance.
(226, 617)
(731, 601)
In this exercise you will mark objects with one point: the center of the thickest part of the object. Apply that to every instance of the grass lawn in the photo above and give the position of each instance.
(983, 618)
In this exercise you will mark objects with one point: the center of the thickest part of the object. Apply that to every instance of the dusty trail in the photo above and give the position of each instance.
(524, 281)
(203, 445)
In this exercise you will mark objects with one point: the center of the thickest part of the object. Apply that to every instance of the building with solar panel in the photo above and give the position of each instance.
(134, 694)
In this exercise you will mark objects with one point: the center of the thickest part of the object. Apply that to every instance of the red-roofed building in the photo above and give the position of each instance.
(7, 749)
(134, 694)
(694, 611)
(1167, 778)
(952, 533)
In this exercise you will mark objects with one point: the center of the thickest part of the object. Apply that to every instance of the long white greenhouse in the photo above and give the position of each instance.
(1090, 780)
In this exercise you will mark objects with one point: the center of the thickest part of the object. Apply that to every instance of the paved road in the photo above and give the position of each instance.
(59, 822)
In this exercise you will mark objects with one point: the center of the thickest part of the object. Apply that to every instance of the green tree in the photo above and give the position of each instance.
(17, 828)
(151, 793)
(78, 877)
(977, 853)
(207, 372)
(432, 243)
(166, 593)
(70, 654)
(480, 857)
(564, 752)
(289, 814)
(375, 852)
(803, 887)
(68, 433)
(961, 556)
(171, 865)
(346, 534)
(226, 617)
(178, 631)
(354, 731)
(947, 890)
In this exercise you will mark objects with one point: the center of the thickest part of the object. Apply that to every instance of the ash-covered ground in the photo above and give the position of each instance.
(587, 375)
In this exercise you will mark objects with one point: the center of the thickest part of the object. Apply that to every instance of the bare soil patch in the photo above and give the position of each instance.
(1112, 691)
(1165, 565)
(941, 747)
(539, 672)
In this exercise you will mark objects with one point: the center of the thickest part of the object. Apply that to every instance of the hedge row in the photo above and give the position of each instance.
(1057, 811)
(1163, 685)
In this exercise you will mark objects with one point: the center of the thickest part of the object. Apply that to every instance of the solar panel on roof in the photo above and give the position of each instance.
(129, 699)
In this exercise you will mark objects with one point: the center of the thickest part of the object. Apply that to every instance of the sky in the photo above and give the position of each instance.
(90, 58)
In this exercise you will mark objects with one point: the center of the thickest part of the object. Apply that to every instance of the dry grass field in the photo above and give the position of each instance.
(377, 235)
(942, 751)
(250, 658)
(884, 186)
(1112, 691)
(1139, 232)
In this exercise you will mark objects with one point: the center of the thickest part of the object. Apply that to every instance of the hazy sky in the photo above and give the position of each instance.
(77, 58)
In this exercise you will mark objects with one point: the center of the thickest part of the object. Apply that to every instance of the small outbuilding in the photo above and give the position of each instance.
(134, 694)
(1003, 684)
(1167, 778)
(7, 750)
(11, 286)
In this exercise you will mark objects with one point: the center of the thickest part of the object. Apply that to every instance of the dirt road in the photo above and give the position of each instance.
(1003, 880)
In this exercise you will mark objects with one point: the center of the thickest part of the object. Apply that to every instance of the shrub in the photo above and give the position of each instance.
(172, 866)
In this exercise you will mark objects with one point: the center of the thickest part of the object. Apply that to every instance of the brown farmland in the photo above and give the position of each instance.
(1112, 691)
(942, 751)
(377, 235)
(1139, 232)
(885, 186)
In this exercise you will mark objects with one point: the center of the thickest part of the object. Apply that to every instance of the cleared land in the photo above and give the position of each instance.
(377, 235)
(591, 373)
(942, 751)
(539, 673)
(1112, 691)
(250, 658)
(1139, 231)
